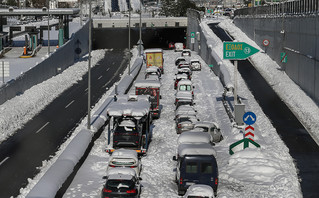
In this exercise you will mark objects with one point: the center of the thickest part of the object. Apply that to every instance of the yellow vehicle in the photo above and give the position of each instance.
(154, 57)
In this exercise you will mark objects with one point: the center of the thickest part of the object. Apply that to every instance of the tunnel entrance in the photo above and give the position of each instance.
(117, 38)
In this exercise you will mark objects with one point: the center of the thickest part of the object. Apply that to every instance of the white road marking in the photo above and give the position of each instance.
(42, 127)
(108, 69)
(4, 160)
(69, 104)
(100, 77)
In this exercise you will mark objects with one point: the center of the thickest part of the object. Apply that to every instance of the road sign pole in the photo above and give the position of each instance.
(2, 72)
(235, 81)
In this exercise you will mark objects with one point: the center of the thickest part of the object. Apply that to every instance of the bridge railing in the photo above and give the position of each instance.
(296, 7)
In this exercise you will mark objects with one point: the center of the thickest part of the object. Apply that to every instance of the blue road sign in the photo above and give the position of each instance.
(249, 118)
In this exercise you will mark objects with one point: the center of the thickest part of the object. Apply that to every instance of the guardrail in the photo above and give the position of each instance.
(297, 7)
(57, 174)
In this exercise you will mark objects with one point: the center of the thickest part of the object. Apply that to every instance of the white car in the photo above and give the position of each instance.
(185, 110)
(200, 191)
(186, 52)
(185, 86)
(125, 158)
(210, 127)
(195, 65)
(179, 47)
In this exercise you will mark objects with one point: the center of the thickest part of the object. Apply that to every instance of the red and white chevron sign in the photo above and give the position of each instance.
(249, 132)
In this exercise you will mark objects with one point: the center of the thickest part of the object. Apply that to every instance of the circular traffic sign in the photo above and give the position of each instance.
(249, 118)
(266, 42)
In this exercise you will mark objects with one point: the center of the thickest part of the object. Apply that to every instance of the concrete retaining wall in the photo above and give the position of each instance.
(298, 36)
(203, 44)
(61, 59)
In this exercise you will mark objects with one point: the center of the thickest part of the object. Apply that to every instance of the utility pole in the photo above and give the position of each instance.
(89, 69)
(129, 37)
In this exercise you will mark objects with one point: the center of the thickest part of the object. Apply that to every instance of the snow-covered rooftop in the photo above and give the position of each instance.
(153, 50)
(147, 83)
(126, 107)
(124, 171)
(124, 154)
(194, 137)
(195, 149)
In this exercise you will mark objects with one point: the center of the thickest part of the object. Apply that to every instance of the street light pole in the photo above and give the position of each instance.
(89, 70)
(48, 27)
(140, 40)
(129, 38)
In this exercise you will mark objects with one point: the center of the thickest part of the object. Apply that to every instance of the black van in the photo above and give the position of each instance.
(196, 164)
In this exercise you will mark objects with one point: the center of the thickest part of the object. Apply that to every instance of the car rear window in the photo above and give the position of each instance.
(121, 162)
(185, 88)
(206, 168)
(119, 183)
(205, 129)
(191, 167)
(125, 129)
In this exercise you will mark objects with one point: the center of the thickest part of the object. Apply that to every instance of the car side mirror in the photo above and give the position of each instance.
(104, 177)
(140, 178)
(174, 158)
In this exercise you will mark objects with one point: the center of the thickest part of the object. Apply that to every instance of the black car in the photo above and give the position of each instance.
(121, 182)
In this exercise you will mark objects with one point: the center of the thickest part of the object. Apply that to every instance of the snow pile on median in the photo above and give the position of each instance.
(255, 170)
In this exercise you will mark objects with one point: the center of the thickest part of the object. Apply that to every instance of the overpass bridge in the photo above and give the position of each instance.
(170, 22)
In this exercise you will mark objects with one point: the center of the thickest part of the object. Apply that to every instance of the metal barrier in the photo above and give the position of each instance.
(295, 7)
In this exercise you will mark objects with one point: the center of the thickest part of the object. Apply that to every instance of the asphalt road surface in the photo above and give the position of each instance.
(21, 154)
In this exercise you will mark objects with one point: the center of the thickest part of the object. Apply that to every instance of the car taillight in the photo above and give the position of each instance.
(179, 125)
(131, 191)
(216, 181)
(180, 180)
(112, 166)
(132, 166)
(107, 190)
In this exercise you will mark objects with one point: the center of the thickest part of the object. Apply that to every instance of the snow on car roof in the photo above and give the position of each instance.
(147, 83)
(195, 149)
(194, 60)
(185, 109)
(122, 172)
(186, 50)
(152, 69)
(179, 76)
(184, 95)
(127, 123)
(184, 69)
(200, 190)
(206, 124)
(153, 50)
(180, 58)
(135, 108)
(194, 137)
(185, 82)
(124, 153)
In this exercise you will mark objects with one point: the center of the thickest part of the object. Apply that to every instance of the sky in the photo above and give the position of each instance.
(268, 171)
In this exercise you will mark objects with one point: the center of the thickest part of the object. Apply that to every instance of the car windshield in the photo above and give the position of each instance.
(185, 88)
(119, 183)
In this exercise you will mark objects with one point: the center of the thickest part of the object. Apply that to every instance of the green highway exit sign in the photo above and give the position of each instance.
(238, 50)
